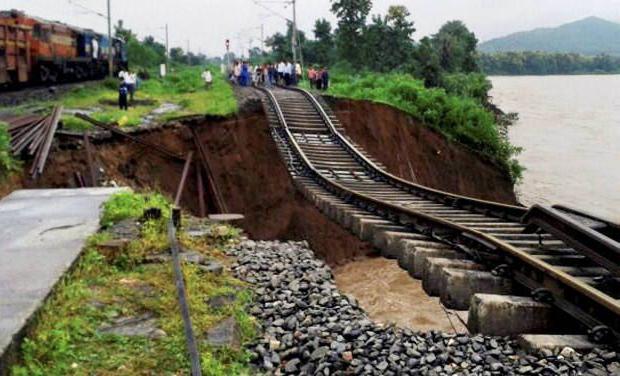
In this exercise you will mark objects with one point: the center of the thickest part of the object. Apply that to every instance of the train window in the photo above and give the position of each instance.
(37, 31)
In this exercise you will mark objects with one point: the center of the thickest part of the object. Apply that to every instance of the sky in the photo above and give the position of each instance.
(206, 24)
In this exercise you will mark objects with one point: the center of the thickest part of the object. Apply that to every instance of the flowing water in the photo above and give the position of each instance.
(569, 127)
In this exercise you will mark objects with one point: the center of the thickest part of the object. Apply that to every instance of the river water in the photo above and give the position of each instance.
(569, 127)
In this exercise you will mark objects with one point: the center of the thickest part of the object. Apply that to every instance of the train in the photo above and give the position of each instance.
(37, 51)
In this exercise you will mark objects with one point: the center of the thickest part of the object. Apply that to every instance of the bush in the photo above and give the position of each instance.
(7, 163)
(472, 85)
(461, 118)
(127, 205)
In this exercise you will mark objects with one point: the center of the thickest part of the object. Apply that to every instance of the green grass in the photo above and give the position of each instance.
(459, 118)
(183, 87)
(126, 205)
(8, 164)
(66, 339)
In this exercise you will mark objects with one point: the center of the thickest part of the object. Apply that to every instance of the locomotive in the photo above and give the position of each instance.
(36, 51)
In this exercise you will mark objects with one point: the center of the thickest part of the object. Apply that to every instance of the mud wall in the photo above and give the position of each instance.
(413, 151)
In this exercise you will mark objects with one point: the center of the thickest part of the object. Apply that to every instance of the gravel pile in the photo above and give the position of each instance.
(310, 328)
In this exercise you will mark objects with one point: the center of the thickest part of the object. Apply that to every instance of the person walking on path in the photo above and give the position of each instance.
(122, 96)
(207, 77)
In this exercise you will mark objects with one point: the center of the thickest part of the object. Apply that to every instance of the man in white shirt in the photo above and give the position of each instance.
(288, 70)
(207, 77)
(281, 68)
(130, 81)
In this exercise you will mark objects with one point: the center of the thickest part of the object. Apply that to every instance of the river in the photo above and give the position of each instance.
(569, 127)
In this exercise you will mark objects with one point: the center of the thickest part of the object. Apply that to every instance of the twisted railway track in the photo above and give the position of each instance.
(557, 259)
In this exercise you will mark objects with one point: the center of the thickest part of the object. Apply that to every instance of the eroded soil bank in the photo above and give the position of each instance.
(415, 152)
(253, 180)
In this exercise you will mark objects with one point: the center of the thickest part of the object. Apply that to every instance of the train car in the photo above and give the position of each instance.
(33, 50)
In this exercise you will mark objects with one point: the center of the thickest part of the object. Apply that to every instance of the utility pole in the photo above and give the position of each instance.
(167, 49)
(110, 44)
(294, 36)
(262, 37)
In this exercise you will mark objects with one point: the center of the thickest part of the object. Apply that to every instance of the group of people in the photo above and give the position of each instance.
(284, 73)
(319, 78)
(129, 82)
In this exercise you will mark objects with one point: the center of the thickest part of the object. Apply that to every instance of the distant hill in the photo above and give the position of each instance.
(590, 36)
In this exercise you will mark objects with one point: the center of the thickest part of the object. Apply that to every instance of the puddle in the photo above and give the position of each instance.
(390, 295)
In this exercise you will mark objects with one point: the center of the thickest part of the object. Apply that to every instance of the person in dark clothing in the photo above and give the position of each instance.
(324, 79)
(122, 96)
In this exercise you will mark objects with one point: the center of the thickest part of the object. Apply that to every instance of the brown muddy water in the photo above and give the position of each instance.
(390, 296)
(569, 127)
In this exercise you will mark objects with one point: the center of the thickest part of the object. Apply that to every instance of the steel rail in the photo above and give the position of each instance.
(495, 209)
(190, 339)
(568, 293)
(593, 244)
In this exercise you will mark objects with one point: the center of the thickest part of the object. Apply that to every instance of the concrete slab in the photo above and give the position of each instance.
(42, 232)
(433, 268)
(502, 315)
(555, 342)
(457, 286)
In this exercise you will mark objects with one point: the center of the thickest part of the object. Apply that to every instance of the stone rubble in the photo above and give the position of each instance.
(310, 328)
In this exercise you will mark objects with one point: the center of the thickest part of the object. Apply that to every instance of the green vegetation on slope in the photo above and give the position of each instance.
(459, 118)
(589, 36)
(67, 338)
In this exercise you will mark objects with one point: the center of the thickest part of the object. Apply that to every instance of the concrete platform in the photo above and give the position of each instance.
(42, 232)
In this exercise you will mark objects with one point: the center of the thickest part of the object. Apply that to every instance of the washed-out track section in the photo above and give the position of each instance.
(512, 275)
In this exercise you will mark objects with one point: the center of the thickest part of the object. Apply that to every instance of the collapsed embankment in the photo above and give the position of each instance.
(253, 180)
(413, 151)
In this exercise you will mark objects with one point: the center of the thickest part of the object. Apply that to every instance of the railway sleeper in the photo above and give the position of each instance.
(443, 270)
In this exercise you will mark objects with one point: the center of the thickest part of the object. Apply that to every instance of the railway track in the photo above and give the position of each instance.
(578, 277)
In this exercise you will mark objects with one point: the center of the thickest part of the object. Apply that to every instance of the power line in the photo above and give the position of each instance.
(87, 9)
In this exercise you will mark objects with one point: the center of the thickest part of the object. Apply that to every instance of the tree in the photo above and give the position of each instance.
(427, 64)
(177, 55)
(456, 46)
(400, 34)
(279, 47)
(125, 34)
(351, 22)
(321, 51)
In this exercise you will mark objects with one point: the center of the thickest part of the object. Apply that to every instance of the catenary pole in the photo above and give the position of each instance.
(294, 36)
(110, 44)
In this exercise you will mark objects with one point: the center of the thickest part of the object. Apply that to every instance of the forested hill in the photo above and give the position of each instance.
(589, 36)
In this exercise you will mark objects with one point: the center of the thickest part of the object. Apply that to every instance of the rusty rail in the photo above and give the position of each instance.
(150, 146)
(204, 161)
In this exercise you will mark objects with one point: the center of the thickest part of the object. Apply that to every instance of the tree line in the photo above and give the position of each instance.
(541, 63)
(149, 53)
(380, 43)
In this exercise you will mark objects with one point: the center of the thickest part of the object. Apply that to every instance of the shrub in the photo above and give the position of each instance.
(7, 163)
(460, 116)
(126, 205)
